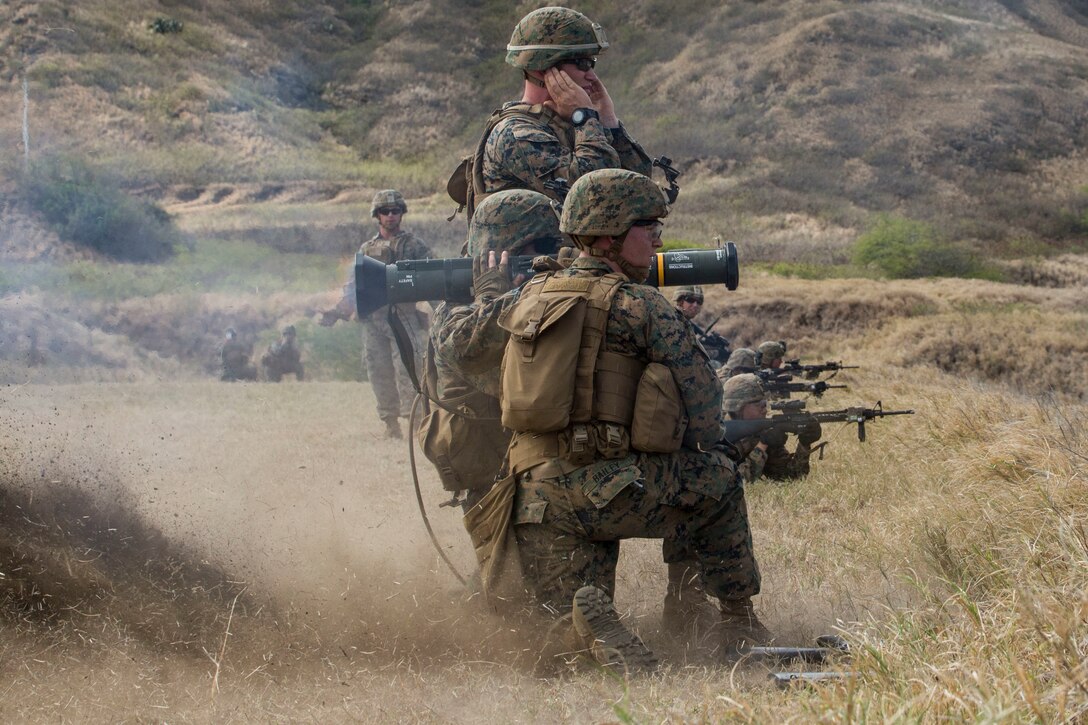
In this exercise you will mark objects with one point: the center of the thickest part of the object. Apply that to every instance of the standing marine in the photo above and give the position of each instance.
(393, 388)
(616, 419)
(565, 123)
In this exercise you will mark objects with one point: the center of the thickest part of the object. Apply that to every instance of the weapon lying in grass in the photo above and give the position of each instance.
(811, 372)
(795, 418)
(828, 649)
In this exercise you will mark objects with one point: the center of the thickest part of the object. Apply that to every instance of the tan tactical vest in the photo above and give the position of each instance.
(385, 251)
(568, 398)
(466, 184)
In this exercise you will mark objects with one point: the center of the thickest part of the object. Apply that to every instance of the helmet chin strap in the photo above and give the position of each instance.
(531, 79)
(636, 272)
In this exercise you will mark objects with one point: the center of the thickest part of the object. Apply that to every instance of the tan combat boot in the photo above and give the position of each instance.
(740, 627)
(686, 613)
(392, 428)
(606, 637)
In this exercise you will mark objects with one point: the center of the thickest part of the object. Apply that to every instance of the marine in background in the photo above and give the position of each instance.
(283, 357)
(390, 381)
(770, 354)
(766, 455)
(565, 124)
(234, 357)
(741, 360)
(689, 302)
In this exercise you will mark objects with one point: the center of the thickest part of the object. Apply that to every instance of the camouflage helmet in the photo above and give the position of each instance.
(742, 357)
(548, 36)
(387, 197)
(607, 202)
(740, 390)
(508, 220)
(289, 331)
(230, 333)
(771, 350)
(687, 291)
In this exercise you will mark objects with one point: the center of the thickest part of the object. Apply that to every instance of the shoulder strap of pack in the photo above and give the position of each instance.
(598, 305)
(531, 112)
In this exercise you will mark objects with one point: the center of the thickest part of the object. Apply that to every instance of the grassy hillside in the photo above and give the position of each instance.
(793, 120)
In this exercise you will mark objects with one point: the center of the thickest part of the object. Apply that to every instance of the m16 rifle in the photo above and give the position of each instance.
(811, 372)
(794, 417)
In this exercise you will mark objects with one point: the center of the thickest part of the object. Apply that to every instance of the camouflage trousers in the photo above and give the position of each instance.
(568, 528)
(388, 378)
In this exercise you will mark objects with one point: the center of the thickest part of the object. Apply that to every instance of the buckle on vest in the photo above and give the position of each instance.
(579, 438)
(614, 434)
(530, 330)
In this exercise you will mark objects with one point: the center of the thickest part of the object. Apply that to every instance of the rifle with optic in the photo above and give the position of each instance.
(793, 417)
(811, 372)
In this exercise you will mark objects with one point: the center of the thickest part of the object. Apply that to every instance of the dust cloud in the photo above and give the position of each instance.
(179, 512)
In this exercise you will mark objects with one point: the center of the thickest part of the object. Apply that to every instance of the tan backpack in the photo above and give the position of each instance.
(461, 435)
(546, 387)
(567, 398)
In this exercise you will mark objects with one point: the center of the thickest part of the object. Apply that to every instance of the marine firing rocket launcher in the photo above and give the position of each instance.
(415, 280)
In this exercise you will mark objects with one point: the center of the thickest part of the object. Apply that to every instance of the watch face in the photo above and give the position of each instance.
(578, 117)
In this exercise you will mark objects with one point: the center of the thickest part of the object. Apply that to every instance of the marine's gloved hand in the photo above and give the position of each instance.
(490, 278)
(809, 432)
(774, 437)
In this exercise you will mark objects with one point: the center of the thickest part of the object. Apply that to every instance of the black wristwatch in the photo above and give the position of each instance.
(581, 115)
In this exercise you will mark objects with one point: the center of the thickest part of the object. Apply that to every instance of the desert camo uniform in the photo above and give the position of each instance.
(392, 386)
(532, 144)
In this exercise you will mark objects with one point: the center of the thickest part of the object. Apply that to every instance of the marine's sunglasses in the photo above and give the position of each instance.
(583, 64)
(389, 210)
(645, 222)
(697, 299)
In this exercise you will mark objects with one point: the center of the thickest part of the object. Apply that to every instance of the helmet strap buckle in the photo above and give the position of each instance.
(535, 81)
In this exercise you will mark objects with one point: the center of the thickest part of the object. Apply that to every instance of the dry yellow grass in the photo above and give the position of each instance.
(950, 548)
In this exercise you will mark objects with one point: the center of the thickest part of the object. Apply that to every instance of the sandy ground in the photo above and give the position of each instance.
(264, 558)
(302, 569)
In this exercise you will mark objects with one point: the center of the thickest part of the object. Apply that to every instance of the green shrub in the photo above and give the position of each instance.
(164, 26)
(906, 248)
(91, 210)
